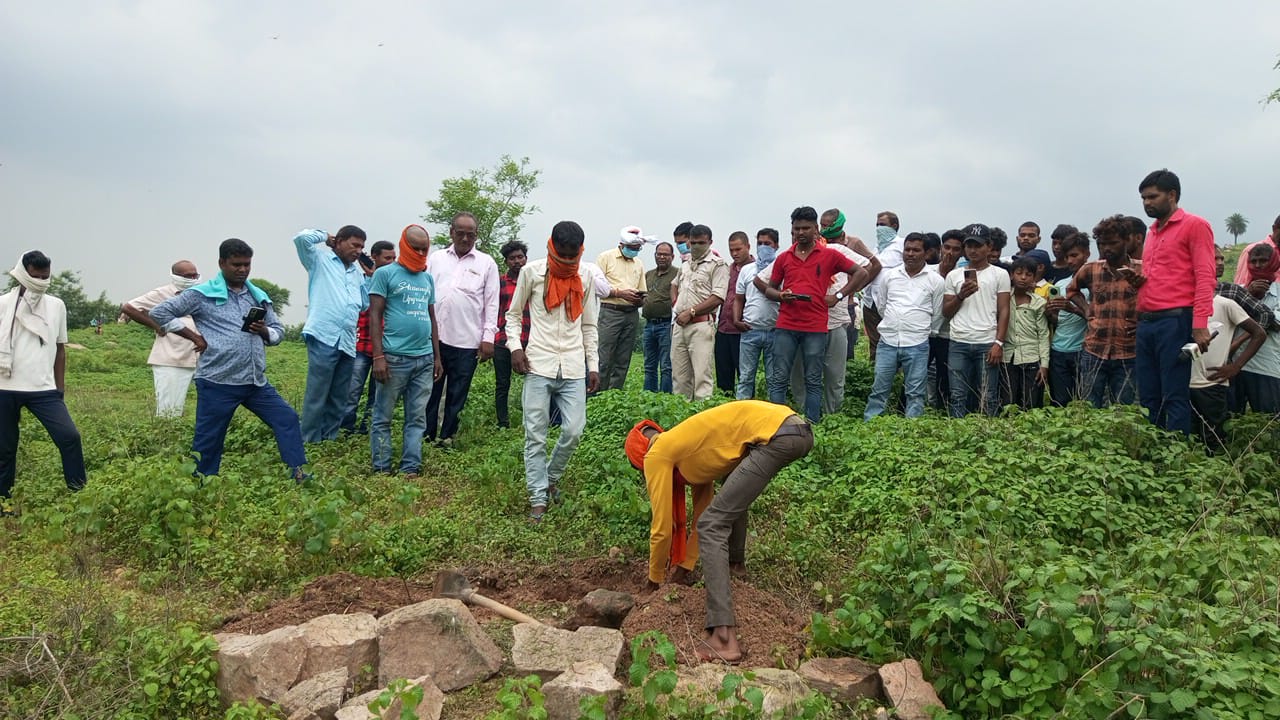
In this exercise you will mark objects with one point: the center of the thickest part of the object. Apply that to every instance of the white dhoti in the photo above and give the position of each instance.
(171, 389)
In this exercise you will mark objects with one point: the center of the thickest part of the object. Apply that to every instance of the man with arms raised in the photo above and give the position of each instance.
(172, 359)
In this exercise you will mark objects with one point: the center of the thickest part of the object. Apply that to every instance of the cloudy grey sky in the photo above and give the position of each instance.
(137, 133)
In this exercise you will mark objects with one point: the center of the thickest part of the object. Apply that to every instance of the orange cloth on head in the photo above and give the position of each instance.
(636, 446)
(411, 259)
(563, 283)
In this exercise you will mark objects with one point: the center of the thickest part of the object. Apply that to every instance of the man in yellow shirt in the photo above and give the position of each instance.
(745, 442)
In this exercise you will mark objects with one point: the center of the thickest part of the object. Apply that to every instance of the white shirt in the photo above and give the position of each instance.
(975, 322)
(33, 359)
(170, 349)
(889, 257)
(1227, 316)
(466, 297)
(758, 311)
(838, 314)
(599, 282)
(558, 347)
(910, 306)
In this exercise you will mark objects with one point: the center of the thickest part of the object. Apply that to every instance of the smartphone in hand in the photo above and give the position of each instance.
(802, 298)
(255, 314)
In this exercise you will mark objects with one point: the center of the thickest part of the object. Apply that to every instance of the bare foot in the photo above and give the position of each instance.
(738, 570)
(720, 644)
(681, 576)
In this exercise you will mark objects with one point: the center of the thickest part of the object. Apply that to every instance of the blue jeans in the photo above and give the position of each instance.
(975, 385)
(812, 347)
(453, 387)
(328, 383)
(50, 409)
(360, 368)
(570, 396)
(1064, 376)
(1165, 390)
(216, 404)
(1108, 381)
(914, 361)
(753, 347)
(410, 377)
(657, 355)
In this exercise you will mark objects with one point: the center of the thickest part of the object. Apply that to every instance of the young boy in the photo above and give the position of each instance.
(1026, 357)
(1068, 325)
(1259, 384)
(1110, 342)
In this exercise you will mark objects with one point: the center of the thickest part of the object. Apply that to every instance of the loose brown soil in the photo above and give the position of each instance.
(770, 630)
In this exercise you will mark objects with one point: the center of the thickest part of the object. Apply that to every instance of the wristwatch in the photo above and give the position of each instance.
(839, 295)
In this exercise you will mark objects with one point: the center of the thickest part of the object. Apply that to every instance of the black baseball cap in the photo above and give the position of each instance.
(977, 233)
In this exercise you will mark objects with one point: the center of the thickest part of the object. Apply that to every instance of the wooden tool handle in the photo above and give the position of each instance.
(507, 612)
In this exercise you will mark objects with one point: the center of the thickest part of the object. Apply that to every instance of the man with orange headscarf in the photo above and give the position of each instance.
(406, 349)
(745, 442)
(563, 347)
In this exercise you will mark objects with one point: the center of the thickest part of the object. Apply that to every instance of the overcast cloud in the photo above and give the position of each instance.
(137, 133)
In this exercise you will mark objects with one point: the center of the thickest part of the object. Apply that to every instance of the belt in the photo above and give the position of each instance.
(620, 308)
(1161, 314)
(702, 318)
(794, 425)
(658, 321)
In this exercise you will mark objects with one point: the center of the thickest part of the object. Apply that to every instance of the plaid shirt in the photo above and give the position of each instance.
(506, 289)
(1260, 313)
(1113, 311)
(364, 346)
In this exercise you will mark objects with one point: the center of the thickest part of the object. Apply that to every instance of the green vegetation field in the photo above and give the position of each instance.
(1074, 563)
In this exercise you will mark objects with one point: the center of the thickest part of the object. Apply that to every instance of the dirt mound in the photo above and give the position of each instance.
(769, 628)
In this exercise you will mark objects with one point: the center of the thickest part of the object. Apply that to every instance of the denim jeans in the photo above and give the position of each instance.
(408, 377)
(360, 368)
(50, 409)
(1108, 381)
(812, 347)
(216, 404)
(657, 355)
(975, 385)
(1064, 377)
(914, 361)
(1165, 390)
(453, 386)
(754, 346)
(328, 383)
(570, 396)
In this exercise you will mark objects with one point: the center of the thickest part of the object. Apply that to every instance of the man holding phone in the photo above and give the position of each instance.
(235, 321)
(620, 316)
(976, 299)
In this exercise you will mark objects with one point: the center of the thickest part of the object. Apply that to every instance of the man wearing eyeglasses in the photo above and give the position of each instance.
(173, 358)
(467, 287)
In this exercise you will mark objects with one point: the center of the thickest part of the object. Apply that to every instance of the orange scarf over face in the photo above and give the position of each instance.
(411, 259)
(564, 286)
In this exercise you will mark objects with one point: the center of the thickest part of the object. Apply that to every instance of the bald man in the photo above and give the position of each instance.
(173, 358)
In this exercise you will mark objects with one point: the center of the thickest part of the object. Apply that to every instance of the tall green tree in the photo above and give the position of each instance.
(497, 196)
(1237, 224)
(279, 295)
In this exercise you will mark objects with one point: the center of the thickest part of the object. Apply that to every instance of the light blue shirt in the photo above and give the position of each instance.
(406, 326)
(234, 357)
(1267, 360)
(1069, 337)
(336, 292)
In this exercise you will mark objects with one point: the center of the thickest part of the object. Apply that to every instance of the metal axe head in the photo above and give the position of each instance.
(453, 584)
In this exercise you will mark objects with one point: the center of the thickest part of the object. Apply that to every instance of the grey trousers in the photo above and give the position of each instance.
(793, 441)
(833, 372)
(618, 331)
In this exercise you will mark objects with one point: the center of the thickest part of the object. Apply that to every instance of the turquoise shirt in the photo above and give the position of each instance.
(406, 326)
(336, 292)
(1267, 360)
(1069, 337)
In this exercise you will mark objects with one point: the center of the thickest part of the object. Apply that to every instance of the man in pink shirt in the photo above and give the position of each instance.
(1175, 300)
(1242, 265)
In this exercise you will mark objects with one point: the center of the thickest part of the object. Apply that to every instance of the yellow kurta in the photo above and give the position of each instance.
(705, 448)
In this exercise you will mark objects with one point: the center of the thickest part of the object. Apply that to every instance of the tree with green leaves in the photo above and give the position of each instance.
(279, 295)
(1274, 97)
(497, 196)
(1237, 224)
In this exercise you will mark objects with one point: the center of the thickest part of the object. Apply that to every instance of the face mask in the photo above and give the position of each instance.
(630, 253)
(884, 236)
(765, 254)
(683, 248)
(699, 252)
(36, 287)
(183, 283)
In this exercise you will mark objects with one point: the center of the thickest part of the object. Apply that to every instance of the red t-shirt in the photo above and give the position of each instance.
(810, 276)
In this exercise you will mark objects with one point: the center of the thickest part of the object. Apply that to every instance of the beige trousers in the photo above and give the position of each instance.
(692, 356)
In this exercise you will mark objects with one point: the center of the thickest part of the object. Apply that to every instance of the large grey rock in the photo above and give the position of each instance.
(845, 679)
(316, 698)
(429, 709)
(357, 708)
(259, 667)
(907, 691)
(547, 651)
(436, 638)
(782, 689)
(563, 695)
(342, 641)
(601, 608)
